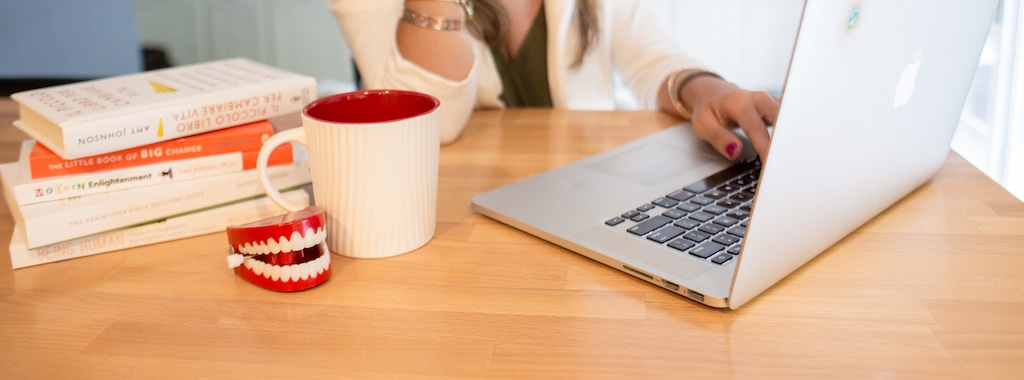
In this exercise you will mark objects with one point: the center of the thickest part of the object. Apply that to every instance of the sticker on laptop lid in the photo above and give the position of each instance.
(851, 18)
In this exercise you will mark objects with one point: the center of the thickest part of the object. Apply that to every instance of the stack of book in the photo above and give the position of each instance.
(150, 157)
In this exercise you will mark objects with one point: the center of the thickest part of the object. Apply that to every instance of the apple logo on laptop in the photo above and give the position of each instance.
(907, 82)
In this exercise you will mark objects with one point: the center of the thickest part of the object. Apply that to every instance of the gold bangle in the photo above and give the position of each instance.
(677, 80)
(424, 21)
(466, 4)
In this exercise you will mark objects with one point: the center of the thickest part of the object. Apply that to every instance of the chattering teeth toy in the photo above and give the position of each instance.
(285, 253)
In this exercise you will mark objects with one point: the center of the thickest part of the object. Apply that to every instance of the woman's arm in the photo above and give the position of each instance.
(421, 40)
(647, 57)
(371, 29)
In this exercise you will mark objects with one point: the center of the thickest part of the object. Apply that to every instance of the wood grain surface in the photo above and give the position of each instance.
(932, 288)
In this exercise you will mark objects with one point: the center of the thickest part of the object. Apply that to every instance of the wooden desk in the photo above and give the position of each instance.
(932, 288)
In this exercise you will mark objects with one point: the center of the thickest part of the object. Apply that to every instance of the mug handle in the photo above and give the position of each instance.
(297, 135)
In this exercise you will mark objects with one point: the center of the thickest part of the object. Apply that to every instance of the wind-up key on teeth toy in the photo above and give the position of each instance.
(285, 253)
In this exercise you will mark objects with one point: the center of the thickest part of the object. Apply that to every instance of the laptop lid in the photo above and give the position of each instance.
(872, 98)
(844, 148)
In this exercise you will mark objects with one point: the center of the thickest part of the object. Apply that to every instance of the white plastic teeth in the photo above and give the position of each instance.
(235, 260)
(296, 242)
(294, 272)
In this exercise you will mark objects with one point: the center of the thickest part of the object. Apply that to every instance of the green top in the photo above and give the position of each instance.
(525, 80)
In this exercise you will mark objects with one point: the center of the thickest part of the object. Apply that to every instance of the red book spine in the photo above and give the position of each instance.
(281, 155)
(45, 163)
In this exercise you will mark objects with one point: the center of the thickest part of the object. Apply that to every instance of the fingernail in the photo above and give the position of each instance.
(731, 150)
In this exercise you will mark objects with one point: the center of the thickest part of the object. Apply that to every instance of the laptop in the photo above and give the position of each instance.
(872, 96)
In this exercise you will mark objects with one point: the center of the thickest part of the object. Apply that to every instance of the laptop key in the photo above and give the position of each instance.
(639, 217)
(721, 258)
(697, 236)
(687, 223)
(740, 182)
(689, 207)
(738, 231)
(702, 216)
(738, 214)
(681, 244)
(681, 195)
(707, 249)
(666, 202)
(725, 239)
(727, 188)
(742, 197)
(716, 194)
(702, 200)
(726, 221)
(645, 227)
(673, 213)
(615, 221)
(711, 228)
(666, 234)
(645, 207)
(715, 209)
(728, 203)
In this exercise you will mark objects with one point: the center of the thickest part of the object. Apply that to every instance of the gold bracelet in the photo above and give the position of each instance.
(677, 80)
(424, 21)
(466, 4)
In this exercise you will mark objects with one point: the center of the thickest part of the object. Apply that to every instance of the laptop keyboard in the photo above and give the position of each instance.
(706, 219)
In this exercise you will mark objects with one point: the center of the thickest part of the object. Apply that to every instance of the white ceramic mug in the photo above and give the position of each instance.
(373, 158)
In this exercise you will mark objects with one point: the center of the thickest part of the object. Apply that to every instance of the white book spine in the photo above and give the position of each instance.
(56, 221)
(171, 122)
(197, 223)
(110, 114)
(63, 187)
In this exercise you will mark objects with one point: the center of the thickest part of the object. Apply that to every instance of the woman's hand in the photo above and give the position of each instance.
(718, 106)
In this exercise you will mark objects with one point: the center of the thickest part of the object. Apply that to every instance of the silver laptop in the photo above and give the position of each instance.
(873, 94)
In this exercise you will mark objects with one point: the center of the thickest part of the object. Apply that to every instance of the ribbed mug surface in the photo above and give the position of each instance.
(378, 183)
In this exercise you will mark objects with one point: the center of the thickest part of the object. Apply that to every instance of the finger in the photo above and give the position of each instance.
(708, 127)
(751, 110)
(752, 123)
(767, 106)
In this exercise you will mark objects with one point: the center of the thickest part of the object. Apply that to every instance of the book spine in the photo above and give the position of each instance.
(44, 163)
(53, 222)
(282, 155)
(127, 178)
(204, 114)
(197, 223)
(64, 187)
